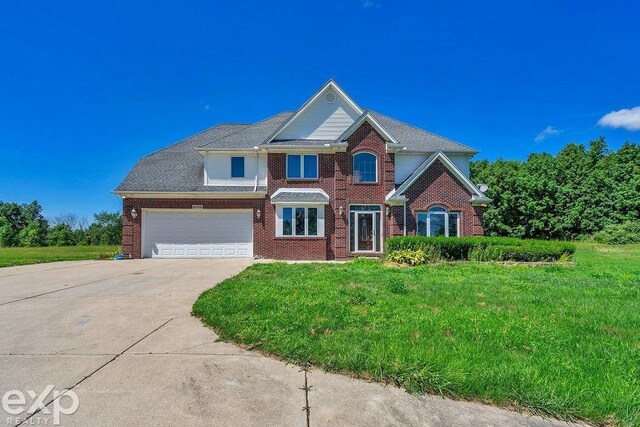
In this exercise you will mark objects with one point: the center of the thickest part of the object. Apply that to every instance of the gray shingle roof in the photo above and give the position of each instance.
(299, 197)
(251, 136)
(178, 168)
(416, 139)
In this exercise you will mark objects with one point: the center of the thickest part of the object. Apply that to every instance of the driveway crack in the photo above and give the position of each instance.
(306, 388)
(26, 420)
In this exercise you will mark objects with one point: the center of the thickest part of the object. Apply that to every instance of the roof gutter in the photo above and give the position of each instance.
(481, 201)
(325, 148)
(280, 148)
(190, 194)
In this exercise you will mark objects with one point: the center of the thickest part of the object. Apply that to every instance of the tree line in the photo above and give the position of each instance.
(24, 225)
(575, 194)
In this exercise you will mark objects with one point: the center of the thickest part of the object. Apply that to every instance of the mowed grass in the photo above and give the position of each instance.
(553, 340)
(22, 256)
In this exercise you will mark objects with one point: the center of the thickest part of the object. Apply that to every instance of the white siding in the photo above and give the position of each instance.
(405, 164)
(461, 161)
(218, 169)
(321, 120)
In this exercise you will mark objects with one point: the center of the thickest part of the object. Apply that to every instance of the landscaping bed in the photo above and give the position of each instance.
(417, 250)
(555, 341)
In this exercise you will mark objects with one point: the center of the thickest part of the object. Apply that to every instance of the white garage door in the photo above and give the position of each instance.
(197, 233)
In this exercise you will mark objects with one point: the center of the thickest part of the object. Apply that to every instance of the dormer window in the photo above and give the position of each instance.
(302, 166)
(237, 167)
(365, 168)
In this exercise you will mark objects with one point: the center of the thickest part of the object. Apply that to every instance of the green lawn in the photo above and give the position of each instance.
(555, 340)
(22, 256)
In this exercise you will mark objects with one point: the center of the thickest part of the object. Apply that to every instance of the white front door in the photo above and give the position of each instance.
(197, 233)
(365, 228)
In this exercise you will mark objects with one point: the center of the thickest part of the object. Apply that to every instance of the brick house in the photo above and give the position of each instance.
(328, 181)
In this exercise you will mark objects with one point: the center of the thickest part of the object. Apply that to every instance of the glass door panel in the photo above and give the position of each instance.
(365, 232)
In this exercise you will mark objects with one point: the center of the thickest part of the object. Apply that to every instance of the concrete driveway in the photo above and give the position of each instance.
(120, 335)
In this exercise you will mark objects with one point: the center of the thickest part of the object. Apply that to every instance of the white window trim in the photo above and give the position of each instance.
(381, 212)
(302, 178)
(353, 167)
(319, 221)
(446, 214)
(244, 167)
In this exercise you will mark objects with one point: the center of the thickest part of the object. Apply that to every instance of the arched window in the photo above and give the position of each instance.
(437, 221)
(365, 167)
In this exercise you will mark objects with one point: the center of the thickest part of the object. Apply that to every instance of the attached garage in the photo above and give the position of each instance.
(197, 233)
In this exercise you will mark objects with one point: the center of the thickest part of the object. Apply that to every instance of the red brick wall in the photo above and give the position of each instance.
(299, 247)
(438, 186)
(132, 231)
(347, 192)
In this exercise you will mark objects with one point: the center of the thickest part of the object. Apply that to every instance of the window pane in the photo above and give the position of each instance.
(237, 167)
(352, 231)
(453, 225)
(437, 209)
(374, 208)
(287, 221)
(312, 217)
(421, 229)
(293, 166)
(364, 167)
(437, 225)
(311, 166)
(299, 221)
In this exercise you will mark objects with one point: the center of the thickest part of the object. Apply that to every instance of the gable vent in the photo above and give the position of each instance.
(330, 97)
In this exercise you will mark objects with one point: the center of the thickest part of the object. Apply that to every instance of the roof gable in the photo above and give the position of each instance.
(367, 117)
(477, 195)
(324, 116)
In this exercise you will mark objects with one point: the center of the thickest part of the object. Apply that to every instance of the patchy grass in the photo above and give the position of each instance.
(552, 340)
(22, 256)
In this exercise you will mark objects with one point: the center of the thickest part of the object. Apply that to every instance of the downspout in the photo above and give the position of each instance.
(404, 223)
(255, 152)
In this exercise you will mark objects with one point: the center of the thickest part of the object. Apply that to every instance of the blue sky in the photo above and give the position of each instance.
(90, 87)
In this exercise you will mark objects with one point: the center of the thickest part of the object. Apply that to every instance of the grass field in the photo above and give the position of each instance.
(22, 256)
(554, 340)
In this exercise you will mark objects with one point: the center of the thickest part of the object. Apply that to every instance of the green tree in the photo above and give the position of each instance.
(106, 229)
(32, 235)
(576, 193)
(60, 235)
(8, 236)
(22, 224)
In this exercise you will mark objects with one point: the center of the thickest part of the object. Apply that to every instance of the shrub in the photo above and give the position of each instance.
(486, 253)
(619, 234)
(409, 256)
(405, 249)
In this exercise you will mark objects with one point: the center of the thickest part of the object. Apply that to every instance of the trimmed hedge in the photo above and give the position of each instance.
(483, 248)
